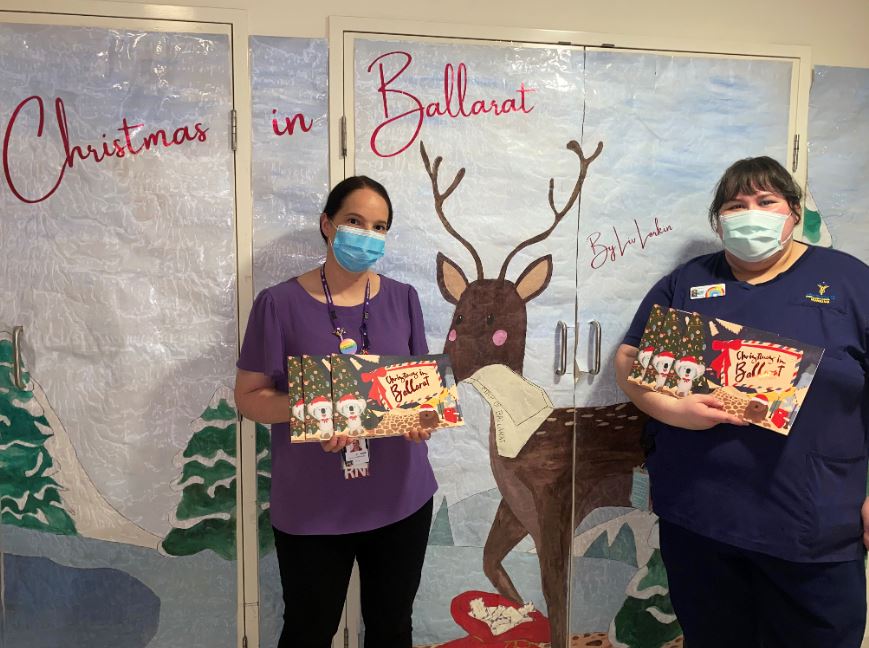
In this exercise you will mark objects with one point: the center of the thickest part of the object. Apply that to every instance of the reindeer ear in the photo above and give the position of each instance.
(535, 278)
(451, 279)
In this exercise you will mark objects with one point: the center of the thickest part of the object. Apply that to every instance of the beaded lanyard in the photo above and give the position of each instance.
(347, 345)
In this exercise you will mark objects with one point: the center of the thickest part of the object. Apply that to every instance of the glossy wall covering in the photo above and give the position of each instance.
(117, 257)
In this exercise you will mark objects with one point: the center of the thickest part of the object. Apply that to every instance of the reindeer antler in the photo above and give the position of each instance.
(439, 199)
(584, 163)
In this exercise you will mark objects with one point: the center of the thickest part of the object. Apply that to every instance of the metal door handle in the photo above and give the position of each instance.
(595, 369)
(561, 365)
(16, 356)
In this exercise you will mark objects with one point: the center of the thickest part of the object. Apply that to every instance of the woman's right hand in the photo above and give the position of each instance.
(692, 412)
(698, 412)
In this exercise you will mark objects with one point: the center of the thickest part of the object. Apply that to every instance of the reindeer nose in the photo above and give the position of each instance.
(452, 336)
(499, 337)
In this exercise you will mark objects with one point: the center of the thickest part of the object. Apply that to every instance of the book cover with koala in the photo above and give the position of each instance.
(317, 398)
(371, 396)
(758, 375)
(392, 395)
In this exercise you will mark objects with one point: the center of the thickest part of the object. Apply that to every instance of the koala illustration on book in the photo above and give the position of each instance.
(688, 370)
(321, 409)
(351, 408)
(663, 365)
(299, 410)
(644, 357)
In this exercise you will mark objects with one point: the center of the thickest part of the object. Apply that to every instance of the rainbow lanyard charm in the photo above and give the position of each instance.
(347, 345)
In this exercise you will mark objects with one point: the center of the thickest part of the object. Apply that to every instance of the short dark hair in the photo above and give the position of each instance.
(750, 175)
(346, 187)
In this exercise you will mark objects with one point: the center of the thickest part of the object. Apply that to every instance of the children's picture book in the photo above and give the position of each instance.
(759, 376)
(372, 396)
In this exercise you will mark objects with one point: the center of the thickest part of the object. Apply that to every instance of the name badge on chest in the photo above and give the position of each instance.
(705, 292)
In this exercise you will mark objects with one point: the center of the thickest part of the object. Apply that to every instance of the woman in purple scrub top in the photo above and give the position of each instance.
(323, 521)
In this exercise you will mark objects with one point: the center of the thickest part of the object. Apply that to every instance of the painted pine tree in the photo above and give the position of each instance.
(646, 618)
(263, 486)
(206, 516)
(29, 496)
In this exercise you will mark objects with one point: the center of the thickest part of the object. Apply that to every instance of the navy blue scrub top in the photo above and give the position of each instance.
(796, 497)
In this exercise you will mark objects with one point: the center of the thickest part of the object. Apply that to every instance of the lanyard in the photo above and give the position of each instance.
(347, 345)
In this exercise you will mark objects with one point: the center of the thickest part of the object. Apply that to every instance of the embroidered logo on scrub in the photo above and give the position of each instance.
(821, 296)
(703, 292)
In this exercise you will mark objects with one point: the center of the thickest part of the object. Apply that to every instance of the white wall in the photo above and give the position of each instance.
(834, 29)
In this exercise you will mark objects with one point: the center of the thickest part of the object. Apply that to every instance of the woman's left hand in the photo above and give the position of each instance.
(417, 435)
(864, 513)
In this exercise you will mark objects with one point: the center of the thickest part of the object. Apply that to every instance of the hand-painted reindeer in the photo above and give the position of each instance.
(489, 327)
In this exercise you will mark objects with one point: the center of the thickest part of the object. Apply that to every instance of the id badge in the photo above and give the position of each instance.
(641, 496)
(355, 458)
(705, 292)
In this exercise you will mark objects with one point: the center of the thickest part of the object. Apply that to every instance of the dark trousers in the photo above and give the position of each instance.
(726, 597)
(315, 571)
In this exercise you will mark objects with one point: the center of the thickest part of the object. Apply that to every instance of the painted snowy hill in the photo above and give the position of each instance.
(43, 486)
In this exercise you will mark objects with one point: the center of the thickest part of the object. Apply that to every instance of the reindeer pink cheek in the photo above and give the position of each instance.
(499, 337)
(452, 336)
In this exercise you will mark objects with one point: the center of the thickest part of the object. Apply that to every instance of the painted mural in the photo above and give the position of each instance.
(117, 258)
(531, 185)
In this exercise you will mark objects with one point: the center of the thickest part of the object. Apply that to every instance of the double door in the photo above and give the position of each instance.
(539, 191)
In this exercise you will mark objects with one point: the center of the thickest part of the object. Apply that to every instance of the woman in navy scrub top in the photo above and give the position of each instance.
(763, 534)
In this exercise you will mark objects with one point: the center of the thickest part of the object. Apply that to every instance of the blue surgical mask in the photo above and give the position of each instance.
(356, 249)
(753, 234)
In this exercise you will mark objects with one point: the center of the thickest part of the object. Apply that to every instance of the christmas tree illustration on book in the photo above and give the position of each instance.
(372, 396)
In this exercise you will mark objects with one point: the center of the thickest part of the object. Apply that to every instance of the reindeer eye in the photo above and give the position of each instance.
(489, 319)
(459, 319)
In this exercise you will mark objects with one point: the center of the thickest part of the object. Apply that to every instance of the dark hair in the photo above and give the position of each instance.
(346, 187)
(750, 175)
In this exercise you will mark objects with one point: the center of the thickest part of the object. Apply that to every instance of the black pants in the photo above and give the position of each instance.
(726, 597)
(315, 571)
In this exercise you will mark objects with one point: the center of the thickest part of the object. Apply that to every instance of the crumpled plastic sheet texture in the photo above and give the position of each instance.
(838, 156)
(290, 181)
(124, 280)
(671, 125)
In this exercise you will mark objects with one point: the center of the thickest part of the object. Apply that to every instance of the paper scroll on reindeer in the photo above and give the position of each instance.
(758, 375)
(518, 405)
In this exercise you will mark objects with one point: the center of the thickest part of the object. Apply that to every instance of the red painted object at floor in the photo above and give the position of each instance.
(525, 635)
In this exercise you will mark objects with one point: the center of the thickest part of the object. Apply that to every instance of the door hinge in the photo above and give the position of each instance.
(346, 638)
(343, 136)
(796, 155)
(233, 137)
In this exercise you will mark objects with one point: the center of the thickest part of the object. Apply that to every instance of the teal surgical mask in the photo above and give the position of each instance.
(356, 249)
(753, 234)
